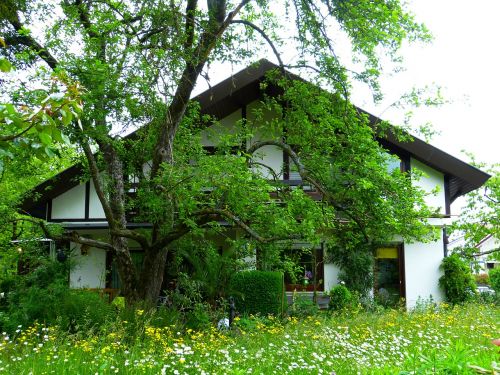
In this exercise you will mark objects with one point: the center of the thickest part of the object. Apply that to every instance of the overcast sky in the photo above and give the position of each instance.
(464, 59)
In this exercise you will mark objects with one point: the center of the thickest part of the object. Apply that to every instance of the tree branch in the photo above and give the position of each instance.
(487, 252)
(189, 27)
(29, 41)
(94, 173)
(133, 235)
(240, 223)
(193, 68)
(305, 175)
(84, 19)
(264, 35)
(69, 236)
(271, 170)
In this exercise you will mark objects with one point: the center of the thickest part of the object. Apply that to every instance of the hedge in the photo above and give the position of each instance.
(259, 292)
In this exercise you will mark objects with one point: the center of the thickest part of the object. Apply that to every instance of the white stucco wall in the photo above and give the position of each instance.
(95, 207)
(70, 205)
(428, 182)
(422, 273)
(490, 244)
(226, 126)
(272, 156)
(88, 271)
(331, 274)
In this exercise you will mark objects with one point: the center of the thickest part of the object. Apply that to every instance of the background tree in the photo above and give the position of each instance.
(139, 62)
(481, 215)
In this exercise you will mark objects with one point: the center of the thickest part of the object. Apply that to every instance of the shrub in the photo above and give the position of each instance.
(482, 278)
(43, 295)
(199, 317)
(495, 279)
(302, 306)
(340, 298)
(356, 266)
(72, 310)
(83, 309)
(259, 292)
(457, 280)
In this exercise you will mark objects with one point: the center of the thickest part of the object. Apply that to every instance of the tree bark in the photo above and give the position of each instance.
(126, 270)
(152, 275)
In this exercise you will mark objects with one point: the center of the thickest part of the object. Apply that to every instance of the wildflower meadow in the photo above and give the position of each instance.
(431, 340)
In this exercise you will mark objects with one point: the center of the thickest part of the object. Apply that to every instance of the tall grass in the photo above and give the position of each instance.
(444, 340)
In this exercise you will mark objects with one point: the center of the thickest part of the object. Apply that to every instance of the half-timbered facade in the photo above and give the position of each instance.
(409, 270)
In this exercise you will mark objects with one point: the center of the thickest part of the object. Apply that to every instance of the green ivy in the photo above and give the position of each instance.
(457, 280)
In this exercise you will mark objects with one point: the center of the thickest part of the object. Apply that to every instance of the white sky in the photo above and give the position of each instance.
(464, 59)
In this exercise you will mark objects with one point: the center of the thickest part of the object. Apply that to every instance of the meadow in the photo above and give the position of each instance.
(430, 340)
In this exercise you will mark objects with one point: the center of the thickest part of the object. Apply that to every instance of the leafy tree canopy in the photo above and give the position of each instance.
(481, 215)
(138, 62)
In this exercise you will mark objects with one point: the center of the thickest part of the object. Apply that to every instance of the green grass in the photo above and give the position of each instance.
(435, 341)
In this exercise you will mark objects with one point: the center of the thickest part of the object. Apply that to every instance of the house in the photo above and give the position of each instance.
(485, 247)
(484, 253)
(409, 270)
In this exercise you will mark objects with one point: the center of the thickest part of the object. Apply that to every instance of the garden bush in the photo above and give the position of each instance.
(43, 295)
(199, 318)
(302, 306)
(457, 281)
(494, 277)
(259, 292)
(482, 279)
(340, 298)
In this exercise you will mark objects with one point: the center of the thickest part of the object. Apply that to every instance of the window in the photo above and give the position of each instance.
(393, 163)
(308, 273)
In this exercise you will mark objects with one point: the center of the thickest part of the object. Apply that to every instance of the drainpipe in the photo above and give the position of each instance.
(445, 242)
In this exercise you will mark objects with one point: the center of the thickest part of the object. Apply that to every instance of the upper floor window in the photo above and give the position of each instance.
(393, 163)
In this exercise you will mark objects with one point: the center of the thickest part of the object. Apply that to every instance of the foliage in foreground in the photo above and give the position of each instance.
(433, 340)
(138, 64)
(457, 281)
(481, 216)
(259, 291)
(494, 278)
(44, 295)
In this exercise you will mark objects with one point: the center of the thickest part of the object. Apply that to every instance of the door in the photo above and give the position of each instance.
(389, 283)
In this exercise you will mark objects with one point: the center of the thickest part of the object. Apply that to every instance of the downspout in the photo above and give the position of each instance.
(445, 242)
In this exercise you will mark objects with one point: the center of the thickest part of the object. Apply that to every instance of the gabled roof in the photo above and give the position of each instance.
(243, 88)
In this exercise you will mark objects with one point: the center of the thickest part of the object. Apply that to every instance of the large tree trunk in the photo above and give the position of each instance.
(126, 270)
(116, 194)
(152, 273)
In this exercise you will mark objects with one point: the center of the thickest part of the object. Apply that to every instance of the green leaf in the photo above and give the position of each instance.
(49, 120)
(5, 65)
(57, 135)
(50, 152)
(67, 116)
(65, 139)
(45, 138)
